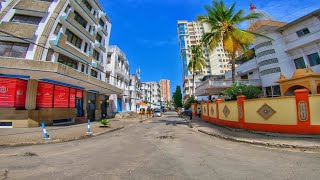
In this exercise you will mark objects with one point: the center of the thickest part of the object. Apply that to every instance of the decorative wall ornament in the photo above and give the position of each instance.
(204, 110)
(266, 111)
(226, 111)
(303, 111)
(212, 111)
(240, 111)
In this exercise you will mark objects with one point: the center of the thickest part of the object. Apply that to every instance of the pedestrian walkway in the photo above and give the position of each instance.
(26, 136)
(255, 137)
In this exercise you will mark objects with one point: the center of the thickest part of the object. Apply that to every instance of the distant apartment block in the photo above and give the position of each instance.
(165, 90)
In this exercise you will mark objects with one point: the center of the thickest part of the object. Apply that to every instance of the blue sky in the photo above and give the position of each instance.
(146, 29)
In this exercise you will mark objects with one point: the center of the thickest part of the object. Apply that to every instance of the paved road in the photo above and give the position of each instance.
(164, 148)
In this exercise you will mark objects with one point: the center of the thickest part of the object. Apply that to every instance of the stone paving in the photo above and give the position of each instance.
(255, 137)
(27, 136)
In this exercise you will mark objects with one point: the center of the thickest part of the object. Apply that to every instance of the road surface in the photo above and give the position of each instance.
(162, 148)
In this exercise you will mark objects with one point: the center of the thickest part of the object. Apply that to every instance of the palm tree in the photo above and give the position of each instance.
(223, 22)
(197, 61)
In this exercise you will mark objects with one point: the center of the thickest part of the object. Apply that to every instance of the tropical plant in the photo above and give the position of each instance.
(196, 62)
(189, 101)
(238, 89)
(223, 23)
(104, 122)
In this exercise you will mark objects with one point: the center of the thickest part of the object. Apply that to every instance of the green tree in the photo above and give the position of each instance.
(177, 97)
(189, 101)
(145, 101)
(223, 22)
(237, 89)
(196, 62)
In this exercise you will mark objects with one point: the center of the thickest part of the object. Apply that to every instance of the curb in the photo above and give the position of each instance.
(61, 141)
(255, 142)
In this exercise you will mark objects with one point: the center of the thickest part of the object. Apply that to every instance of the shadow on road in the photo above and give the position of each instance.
(171, 122)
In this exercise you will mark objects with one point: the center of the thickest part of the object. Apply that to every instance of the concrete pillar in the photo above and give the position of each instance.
(305, 58)
(98, 107)
(31, 99)
(303, 108)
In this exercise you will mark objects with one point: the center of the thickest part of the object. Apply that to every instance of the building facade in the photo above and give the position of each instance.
(191, 33)
(117, 73)
(52, 62)
(165, 90)
(135, 93)
(152, 94)
(294, 47)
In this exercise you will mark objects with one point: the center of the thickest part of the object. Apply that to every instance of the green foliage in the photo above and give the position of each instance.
(104, 122)
(189, 101)
(177, 97)
(145, 101)
(237, 89)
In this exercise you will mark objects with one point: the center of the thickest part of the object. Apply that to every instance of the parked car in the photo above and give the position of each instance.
(157, 113)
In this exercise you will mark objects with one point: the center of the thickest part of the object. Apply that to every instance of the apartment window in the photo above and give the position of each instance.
(109, 59)
(72, 38)
(94, 13)
(245, 76)
(68, 61)
(67, 8)
(303, 32)
(314, 59)
(270, 71)
(87, 4)
(268, 43)
(89, 29)
(99, 38)
(94, 73)
(82, 68)
(26, 19)
(221, 71)
(268, 61)
(85, 47)
(49, 55)
(101, 22)
(57, 30)
(96, 54)
(267, 52)
(80, 19)
(13, 49)
(299, 63)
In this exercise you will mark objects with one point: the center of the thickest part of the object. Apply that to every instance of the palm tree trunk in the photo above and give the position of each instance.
(233, 68)
(194, 88)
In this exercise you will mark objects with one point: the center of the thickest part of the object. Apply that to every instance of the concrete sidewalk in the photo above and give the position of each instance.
(30, 136)
(256, 137)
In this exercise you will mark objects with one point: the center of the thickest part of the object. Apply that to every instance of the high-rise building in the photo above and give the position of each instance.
(191, 33)
(53, 62)
(135, 92)
(151, 94)
(165, 90)
(117, 74)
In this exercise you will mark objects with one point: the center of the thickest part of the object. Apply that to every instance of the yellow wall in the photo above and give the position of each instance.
(204, 109)
(213, 113)
(285, 107)
(233, 107)
(314, 101)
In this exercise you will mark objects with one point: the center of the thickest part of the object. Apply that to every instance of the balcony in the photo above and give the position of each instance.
(215, 87)
(61, 45)
(303, 41)
(25, 31)
(79, 6)
(34, 6)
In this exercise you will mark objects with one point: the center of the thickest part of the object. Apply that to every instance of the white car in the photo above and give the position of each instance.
(157, 113)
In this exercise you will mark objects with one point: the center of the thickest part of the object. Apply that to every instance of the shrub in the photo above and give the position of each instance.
(104, 122)
(237, 89)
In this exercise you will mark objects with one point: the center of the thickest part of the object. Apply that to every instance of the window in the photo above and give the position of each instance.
(101, 22)
(85, 47)
(80, 19)
(303, 32)
(87, 4)
(268, 43)
(250, 73)
(268, 61)
(96, 54)
(99, 38)
(57, 30)
(245, 76)
(267, 52)
(68, 61)
(46, 0)
(314, 59)
(72, 38)
(94, 73)
(109, 59)
(270, 71)
(221, 71)
(299, 63)
(67, 8)
(13, 49)
(82, 68)
(49, 55)
(26, 19)
(89, 30)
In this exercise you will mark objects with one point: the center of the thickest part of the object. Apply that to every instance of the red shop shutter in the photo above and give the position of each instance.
(61, 97)
(72, 102)
(7, 92)
(79, 93)
(44, 95)
(21, 93)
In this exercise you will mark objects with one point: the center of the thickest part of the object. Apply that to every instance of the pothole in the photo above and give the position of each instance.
(165, 137)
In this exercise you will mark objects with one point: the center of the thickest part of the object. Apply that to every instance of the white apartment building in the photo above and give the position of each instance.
(294, 45)
(135, 93)
(117, 73)
(53, 53)
(191, 33)
(151, 92)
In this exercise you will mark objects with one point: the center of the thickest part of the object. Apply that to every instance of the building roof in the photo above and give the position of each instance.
(316, 12)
